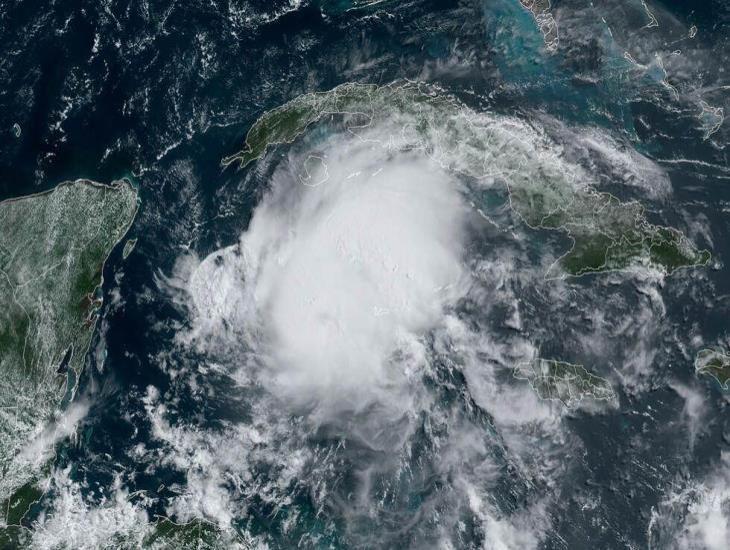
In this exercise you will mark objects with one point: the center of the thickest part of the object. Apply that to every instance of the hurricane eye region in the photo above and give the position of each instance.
(339, 280)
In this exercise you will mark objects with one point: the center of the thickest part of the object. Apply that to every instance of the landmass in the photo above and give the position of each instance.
(53, 247)
(562, 381)
(163, 533)
(284, 124)
(607, 234)
(13, 534)
(540, 10)
(714, 363)
(198, 534)
(128, 248)
(711, 118)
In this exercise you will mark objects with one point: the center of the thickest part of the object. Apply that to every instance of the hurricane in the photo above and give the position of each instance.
(364, 274)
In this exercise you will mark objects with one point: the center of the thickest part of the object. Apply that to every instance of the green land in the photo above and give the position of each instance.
(562, 381)
(53, 247)
(128, 248)
(607, 234)
(198, 534)
(714, 363)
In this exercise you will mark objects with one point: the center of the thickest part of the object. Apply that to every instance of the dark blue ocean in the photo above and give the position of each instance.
(160, 91)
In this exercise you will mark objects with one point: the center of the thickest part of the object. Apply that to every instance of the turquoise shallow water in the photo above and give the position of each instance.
(160, 92)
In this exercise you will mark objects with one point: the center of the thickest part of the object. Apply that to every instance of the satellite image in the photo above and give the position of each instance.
(363, 274)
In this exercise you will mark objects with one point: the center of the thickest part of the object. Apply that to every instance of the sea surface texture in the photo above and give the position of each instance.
(359, 274)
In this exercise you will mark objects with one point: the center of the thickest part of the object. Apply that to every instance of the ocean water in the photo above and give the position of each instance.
(161, 91)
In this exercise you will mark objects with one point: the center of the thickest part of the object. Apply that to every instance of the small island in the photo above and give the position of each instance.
(128, 248)
(714, 363)
(565, 382)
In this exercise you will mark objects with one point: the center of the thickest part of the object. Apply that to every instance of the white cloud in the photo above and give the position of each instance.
(707, 523)
(698, 517)
(331, 283)
(694, 409)
(40, 448)
(74, 522)
(338, 303)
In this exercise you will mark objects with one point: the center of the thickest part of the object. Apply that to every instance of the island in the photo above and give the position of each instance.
(714, 363)
(128, 248)
(53, 248)
(607, 234)
(564, 382)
